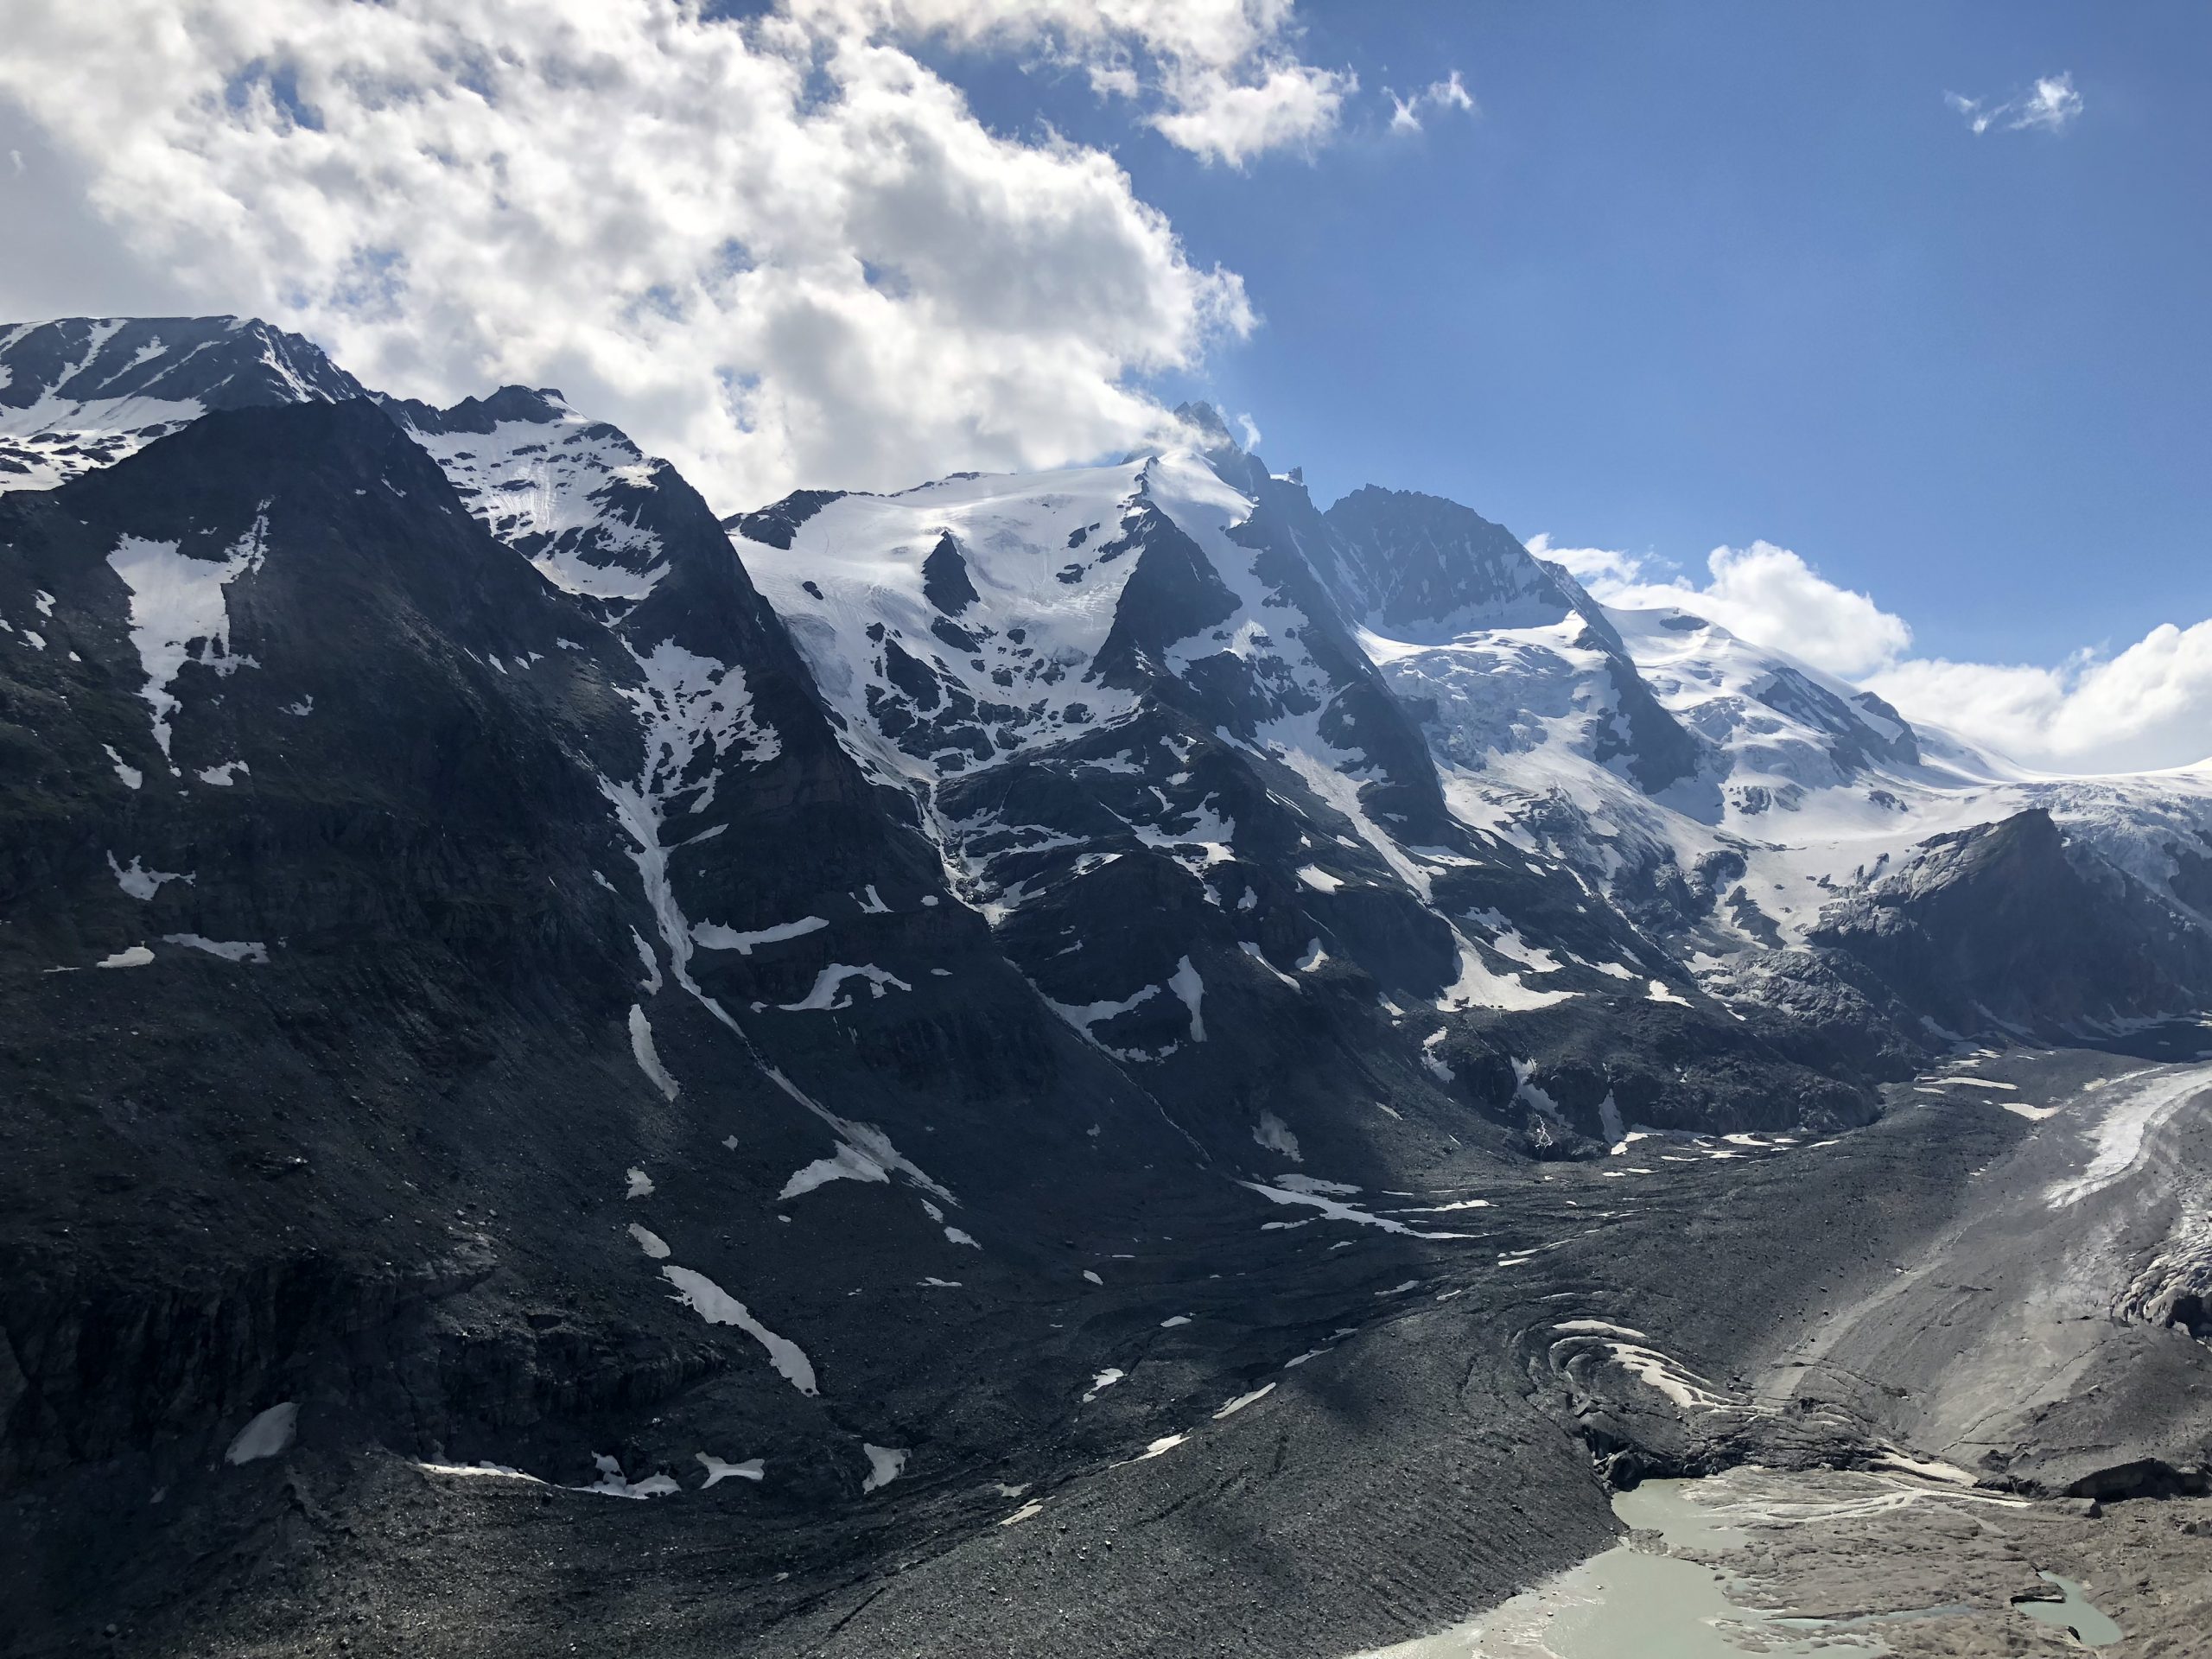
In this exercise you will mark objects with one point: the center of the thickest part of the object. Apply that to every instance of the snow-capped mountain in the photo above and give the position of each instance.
(495, 954)
(83, 392)
(472, 945)
(1152, 755)
(1731, 799)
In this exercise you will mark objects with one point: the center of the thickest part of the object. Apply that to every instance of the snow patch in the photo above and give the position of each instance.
(717, 1307)
(1187, 984)
(1274, 1134)
(885, 1465)
(651, 983)
(229, 950)
(1478, 986)
(1314, 1184)
(717, 1471)
(2132, 1110)
(177, 603)
(648, 1058)
(714, 936)
(140, 882)
(826, 996)
(1233, 1407)
(612, 1482)
(848, 1163)
(268, 1433)
(1337, 1210)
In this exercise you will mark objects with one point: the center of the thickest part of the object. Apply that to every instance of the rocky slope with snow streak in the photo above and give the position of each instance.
(1154, 759)
(510, 979)
(472, 1012)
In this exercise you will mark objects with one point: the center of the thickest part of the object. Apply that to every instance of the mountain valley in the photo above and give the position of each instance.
(1109, 1061)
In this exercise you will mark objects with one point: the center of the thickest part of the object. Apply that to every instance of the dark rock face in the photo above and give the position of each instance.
(505, 967)
(1997, 926)
(433, 903)
(775, 525)
(1856, 744)
(1423, 569)
(1173, 592)
(944, 579)
(1415, 560)
(1216, 844)
(217, 362)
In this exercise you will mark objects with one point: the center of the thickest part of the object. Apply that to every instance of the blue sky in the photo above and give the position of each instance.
(1698, 276)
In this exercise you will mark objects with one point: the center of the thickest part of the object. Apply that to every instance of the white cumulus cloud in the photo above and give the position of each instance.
(1762, 592)
(1218, 78)
(1450, 93)
(2048, 106)
(2146, 707)
(1230, 120)
(777, 249)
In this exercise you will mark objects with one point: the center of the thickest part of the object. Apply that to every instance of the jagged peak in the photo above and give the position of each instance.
(1204, 419)
(538, 406)
(217, 362)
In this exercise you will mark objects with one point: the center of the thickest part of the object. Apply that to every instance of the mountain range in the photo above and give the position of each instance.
(507, 968)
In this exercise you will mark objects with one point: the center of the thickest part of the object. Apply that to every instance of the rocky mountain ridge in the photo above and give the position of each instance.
(506, 968)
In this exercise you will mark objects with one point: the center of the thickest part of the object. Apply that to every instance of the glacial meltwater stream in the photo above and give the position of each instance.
(1636, 1601)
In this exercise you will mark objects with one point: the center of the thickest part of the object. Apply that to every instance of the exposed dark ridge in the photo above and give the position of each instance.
(221, 362)
(1905, 746)
(1366, 716)
(1406, 558)
(1204, 418)
(1170, 595)
(775, 525)
(945, 582)
(481, 415)
(1855, 743)
(1998, 922)
(1655, 748)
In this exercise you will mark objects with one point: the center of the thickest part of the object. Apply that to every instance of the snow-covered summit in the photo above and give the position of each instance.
(1722, 794)
(83, 392)
(1798, 789)
(571, 495)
